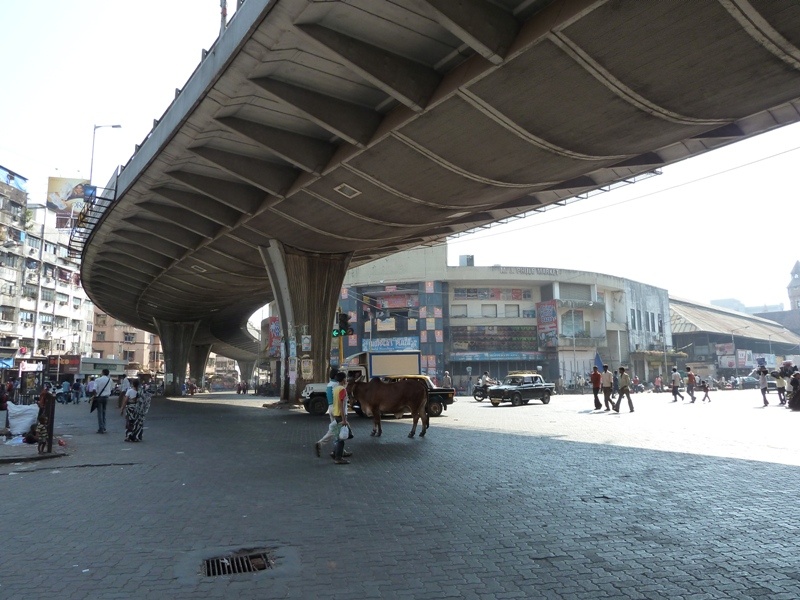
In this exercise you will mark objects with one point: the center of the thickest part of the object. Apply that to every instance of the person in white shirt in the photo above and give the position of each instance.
(676, 383)
(124, 386)
(103, 387)
(762, 383)
(607, 383)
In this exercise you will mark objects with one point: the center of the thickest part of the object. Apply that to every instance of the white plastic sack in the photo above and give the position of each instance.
(20, 418)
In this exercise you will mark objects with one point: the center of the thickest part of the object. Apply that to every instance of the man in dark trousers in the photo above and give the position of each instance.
(103, 387)
(607, 383)
(596, 378)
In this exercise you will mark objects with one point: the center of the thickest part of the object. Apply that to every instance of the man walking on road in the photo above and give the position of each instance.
(690, 383)
(596, 378)
(624, 389)
(607, 383)
(332, 427)
(103, 387)
(676, 383)
(762, 383)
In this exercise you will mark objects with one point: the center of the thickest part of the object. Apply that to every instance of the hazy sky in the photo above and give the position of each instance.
(717, 226)
(720, 225)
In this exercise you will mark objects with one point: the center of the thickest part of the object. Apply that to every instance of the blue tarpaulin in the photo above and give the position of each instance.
(597, 362)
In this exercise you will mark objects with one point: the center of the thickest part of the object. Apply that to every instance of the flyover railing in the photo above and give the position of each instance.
(94, 207)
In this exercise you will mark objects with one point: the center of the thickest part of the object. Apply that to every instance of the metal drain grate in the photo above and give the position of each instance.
(244, 561)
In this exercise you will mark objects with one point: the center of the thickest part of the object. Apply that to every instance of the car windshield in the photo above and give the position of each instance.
(513, 381)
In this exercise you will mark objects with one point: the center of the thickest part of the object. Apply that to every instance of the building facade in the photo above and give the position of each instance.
(468, 319)
(116, 340)
(43, 308)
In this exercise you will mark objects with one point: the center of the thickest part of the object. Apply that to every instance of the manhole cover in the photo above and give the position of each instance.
(243, 561)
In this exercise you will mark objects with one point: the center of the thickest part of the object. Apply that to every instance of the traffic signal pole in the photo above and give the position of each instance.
(341, 329)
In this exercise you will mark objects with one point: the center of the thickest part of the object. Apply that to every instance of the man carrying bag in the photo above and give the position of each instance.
(100, 401)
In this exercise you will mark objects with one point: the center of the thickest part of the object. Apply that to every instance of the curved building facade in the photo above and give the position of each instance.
(466, 319)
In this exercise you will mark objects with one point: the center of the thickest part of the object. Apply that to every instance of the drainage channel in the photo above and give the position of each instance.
(243, 561)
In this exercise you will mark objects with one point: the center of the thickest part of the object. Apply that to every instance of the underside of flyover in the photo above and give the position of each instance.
(358, 128)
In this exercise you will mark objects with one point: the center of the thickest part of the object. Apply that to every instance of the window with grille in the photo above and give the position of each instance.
(7, 313)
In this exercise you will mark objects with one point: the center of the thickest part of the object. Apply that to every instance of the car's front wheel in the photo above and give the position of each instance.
(516, 399)
(546, 399)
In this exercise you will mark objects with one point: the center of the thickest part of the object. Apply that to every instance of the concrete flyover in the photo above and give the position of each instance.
(315, 136)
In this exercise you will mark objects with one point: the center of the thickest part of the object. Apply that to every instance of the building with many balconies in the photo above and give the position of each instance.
(43, 308)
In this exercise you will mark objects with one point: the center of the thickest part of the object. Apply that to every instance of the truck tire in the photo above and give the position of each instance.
(546, 398)
(318, 405)
(516, 399)
(435, 409)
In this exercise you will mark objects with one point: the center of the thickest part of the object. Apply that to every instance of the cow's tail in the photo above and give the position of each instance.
(425, 417)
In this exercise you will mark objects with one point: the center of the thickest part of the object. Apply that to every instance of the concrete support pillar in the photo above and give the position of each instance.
(198, 358)
(246, 370)
(306, 288)
(176, 340)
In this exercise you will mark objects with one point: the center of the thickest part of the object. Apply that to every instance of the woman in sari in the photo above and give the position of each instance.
(135, 407)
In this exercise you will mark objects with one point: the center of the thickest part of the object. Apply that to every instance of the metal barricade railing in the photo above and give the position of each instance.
(25, 398)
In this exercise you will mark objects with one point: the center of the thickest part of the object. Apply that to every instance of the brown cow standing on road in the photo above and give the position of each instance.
(398, 397)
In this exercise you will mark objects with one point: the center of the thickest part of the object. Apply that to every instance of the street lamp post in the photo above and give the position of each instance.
(94, 133)
(574, 359)
(39, 277)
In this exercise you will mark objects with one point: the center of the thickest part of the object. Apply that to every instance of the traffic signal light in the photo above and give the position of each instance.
(343, 327)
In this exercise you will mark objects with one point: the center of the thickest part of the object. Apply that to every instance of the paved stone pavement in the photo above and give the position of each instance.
(673, 501)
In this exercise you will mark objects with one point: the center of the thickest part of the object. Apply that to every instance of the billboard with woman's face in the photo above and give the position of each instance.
(65, 197)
